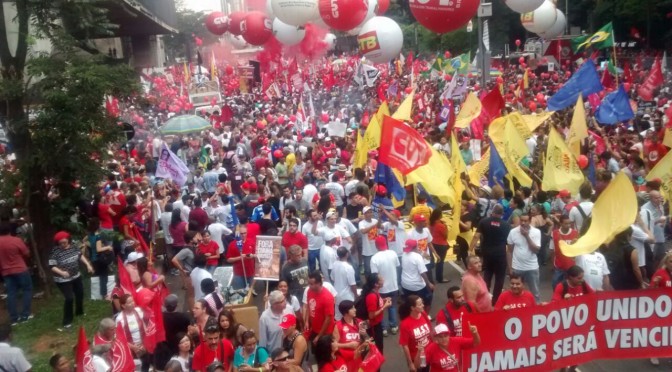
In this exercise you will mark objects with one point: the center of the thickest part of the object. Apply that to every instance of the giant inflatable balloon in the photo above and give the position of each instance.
(523, 6)
(237, 41)
(295, 12)
(383, 5)
(287, 34)
(330, 40)
(235, 19)
(380, 39)
(217, 23)
(541, 19)
(343, 15)
(269, 10)
(558, 27)
(442, 16)
(257, 28)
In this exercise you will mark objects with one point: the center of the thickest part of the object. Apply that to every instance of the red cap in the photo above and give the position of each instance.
(396, 213)
(410, 245)
(288, 320)
(252, 187)
(419, 218)
(245, 185)
(564, 194)
(381, 243)
(61, 235)
(381, 190)
(278, 154)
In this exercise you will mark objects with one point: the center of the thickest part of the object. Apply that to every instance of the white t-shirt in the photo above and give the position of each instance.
(133, 324)
(315, 241)
(337, 232)
(165, 226)
(412, 268)
(523, 258)
(327, 258)
(343, 276)
(183, 362)
(386, 263)
(396, 236)
(217, 231)
(576, 217)
(637, 240)
(351, 186)
(369, 238)
(594, 267)
(100, 364)
(222, 213)
(197, 275)
(350, 228)
(423, 238)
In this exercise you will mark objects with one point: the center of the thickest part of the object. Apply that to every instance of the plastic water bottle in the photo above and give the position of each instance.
(423, 359)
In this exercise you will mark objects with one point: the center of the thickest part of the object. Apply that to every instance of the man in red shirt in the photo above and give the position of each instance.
(561, 262)
(241, 255)
(452, 314)
(444, 354)
(516, 297)
(13, 268)
(293, 236)
(198, 215)
(320, 310)
(573, 286)
(213, 349)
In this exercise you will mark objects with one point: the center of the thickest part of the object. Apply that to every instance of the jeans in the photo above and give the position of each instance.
(531, 279)
(376, 332)
(313, 259)
(442, 251)
(430, 269)
(462, 250)
(558, 277)
(424, 293)
(73, 291)
(367, 265)
(494, 266)
(101, 271)
(211, 268)
(238, 282)
(15, 283)
(390, 318)
(283, 256)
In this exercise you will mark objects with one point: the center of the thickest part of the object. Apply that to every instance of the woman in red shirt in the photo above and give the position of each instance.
(439, 232)
(376, 307)
(663, 277)
(104, 213)
(444, 353)
(329, 359)
(415, 331)
(347, 330)
(209, 249)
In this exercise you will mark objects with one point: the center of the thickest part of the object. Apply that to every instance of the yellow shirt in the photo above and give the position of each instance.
(290, 161)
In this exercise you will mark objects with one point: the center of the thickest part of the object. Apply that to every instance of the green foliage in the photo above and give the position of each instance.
(188, 23)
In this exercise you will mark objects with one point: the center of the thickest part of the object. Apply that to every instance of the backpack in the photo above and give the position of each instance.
(362, 312)
(449, 319)
(587, 220)
(482, 213)
(565, 288)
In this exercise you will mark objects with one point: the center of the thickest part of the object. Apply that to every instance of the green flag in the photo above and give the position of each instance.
(603, 38)
(437, 64)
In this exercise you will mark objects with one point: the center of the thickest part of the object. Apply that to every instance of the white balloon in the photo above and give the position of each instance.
(287, 34)
(541, 19)
(295, 12)
(319, 22)
(330, 39)
(380, 39)
(371, 11)
(237, 41)
(269, 10)
(523, 6)
(558, 27)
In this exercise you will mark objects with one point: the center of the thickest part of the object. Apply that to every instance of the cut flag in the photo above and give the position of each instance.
(402, 147)
(405, 109)
(460, 167)
(614, 211)
(561, 172)
(615, 108)
(479, 169)
(435, 177)
(585, 81)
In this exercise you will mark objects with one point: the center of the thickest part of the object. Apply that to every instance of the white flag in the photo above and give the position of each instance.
(170, 166)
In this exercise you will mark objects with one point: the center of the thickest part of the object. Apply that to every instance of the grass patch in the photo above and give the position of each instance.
(39, 337)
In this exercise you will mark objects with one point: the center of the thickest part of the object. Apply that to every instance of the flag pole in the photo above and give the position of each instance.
(613, 45)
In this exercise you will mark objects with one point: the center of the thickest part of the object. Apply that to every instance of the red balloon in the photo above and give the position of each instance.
(540, 97)
(626, 86)
(217, 23)
(408, 90)
(343, 15)
(518, 42)
(235, 20)
(443, 16)
(292, 118)
(447, 77)
(521, 60)
(281, 120)
(277, 154)
(582, 161)
(383, 5)
(257, 28)
(447, 54)
(269, 117)
(325, 118)
(228, 69)
(532, 106)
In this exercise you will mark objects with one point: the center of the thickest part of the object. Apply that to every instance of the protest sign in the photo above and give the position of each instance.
(336, 129)
(267, 266)
(606, 325)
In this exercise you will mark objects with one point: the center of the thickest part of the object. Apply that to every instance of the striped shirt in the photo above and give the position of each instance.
(66, 260)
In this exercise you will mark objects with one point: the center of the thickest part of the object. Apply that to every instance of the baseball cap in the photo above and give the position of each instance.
(396, 213)
(381, 243)
(419, 218)
(441, 329)
(366, 209)
(564, 194)
(252, 186)
(288, 320)
(327, 139)
(381, 190)
(134, 256)
(410, 245)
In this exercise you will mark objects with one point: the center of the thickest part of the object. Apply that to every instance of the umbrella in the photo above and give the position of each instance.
(185, 124)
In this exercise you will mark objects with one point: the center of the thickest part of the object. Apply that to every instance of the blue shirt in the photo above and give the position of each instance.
(238, 359)
(258, 213)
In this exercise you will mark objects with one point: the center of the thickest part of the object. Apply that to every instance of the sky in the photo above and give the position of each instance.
(202, 5)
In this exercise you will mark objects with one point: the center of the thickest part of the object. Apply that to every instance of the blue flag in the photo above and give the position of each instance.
(592, 177)
(385, 176)
(585, 80)
(497, 169)
(615, 108)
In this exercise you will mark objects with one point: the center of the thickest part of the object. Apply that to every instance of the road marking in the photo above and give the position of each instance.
(456, 267)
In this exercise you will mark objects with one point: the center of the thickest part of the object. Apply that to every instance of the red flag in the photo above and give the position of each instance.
(607, 80)
(600, 145)
(451, 118)
(634, 32)
(381, 93)
(627, 73)
(652, 82)
(122, 359)
(409, 60)
(493, 103)
(83, 354)
(293, 67)
(329, 79)
(595, 54)
(125, 279)
(150, 339)
(401, 147)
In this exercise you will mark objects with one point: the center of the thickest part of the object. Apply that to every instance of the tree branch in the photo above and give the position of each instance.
(23, 15)
(6, 58)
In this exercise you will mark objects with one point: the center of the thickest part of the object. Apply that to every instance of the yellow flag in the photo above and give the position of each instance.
(405, 109)
(360, 152)
(663, 170)
(187, 74)
(213, 67)
(521, 125)
(526, 81)
(578, 130)
(435, 177)
(373, 130)
(511, 147)
(383, 110)
(560, 168)
(533, 121)
(470, 110)
(667, 139)
(456, 158)
(395, 202)
(614, 211)
(460, 167)
(479, 169)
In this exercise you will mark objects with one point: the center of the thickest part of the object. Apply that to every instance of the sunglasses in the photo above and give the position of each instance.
(283, 359)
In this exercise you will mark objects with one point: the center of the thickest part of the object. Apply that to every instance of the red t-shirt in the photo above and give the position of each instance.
(577, 291)
(665, 279)
(507, 298)
(234, 252)
(12, 255)
(203, 356)
(289, 239)
(415, 332)
(320, 305)
(440, 360)
(456, 314)
(211, 248)
(105, 217)
(373, 303)
(561, 261)
(654, 152)
(337, 365)
(199, 216)
(347, 333)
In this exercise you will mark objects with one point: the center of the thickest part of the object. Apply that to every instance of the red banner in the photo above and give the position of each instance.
(607, 325)
(652, 82)
(401, 147)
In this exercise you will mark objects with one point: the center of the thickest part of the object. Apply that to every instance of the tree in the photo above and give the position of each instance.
(189, 24)
(53, 108)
